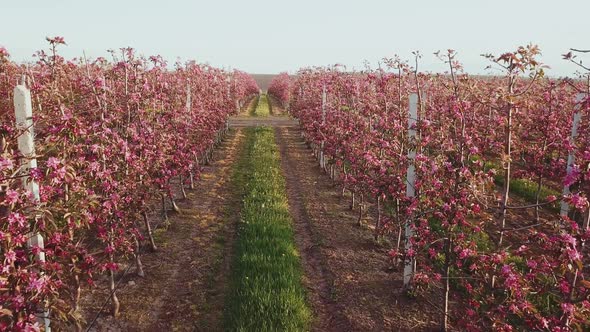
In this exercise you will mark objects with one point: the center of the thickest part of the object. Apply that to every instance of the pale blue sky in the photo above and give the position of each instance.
(264, 36)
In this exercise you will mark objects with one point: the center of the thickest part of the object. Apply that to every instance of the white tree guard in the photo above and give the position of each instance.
(24, 123)
(571, 159)
(322, 158)
(410, 185)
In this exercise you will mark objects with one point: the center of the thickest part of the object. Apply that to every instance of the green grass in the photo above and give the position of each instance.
(525, 188)
(254, 106)
(262, 106)
(266, 293)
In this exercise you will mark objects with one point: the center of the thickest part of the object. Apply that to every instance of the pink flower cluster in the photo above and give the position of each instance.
(110, 139)
(528, 282)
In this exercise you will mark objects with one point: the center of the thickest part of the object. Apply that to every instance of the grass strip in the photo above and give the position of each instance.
(525, 188)
(266, 292)
(253, 105)
(262, 106)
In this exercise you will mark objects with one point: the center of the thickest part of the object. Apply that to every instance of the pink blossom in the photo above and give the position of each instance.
(544, 323)
(17, 218)
(11, 196)
(19, 301)
(53, 162)
(531, 264)
(99, 83)
(10, 257)
(569, 239)
(111, 266)
(465, 253)
(6, 164)
(35, 327)
(61, 173)
(38, 284)
(578, 201)
(564, 287)
(572, 176)
(446, 207)
(574, 255)
(567, 308)
(36, 174)
(432, 253)
(3, 52)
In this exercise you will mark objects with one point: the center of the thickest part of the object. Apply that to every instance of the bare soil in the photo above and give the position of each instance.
(318, 280)
(275, 108)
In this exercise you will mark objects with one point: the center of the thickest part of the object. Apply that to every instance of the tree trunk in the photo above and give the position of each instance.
(361, 203)
(537, 197)
(192, 181)
(378, 223)
(112, 286)
(148, 227)
(174, 205)
(447, 267)
(181, 179)
(164, 210)
(137, 256)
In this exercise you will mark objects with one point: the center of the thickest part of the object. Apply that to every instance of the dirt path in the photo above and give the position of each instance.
(351, 285)
(186, 278)
(318, 280)
(276, 109)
